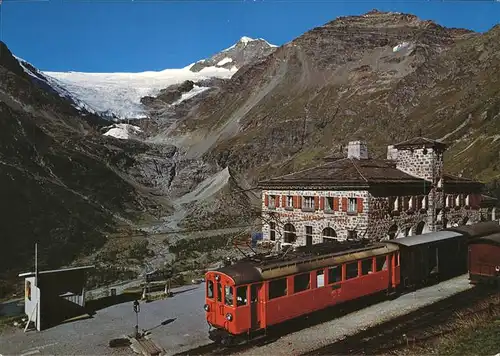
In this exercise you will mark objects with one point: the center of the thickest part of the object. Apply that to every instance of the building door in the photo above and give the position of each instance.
(309, 237)
(255, 311)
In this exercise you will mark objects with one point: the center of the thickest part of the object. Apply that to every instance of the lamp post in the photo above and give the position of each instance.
(137, 309)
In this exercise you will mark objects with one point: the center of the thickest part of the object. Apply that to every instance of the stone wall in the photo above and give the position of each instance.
(418, 164)
(341, 222)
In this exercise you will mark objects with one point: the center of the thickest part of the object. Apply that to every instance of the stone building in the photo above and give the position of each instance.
(359, 197)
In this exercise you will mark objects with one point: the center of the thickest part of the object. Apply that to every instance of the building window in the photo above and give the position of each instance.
(272, 231)
(406, 203)
(393, 203)
(329, 235)
(271, 203)
(329, 204)
(351, 205)
(290, 235)
(424, 202)
(308, 203)
(309, 237)
(289, 201)
(467, 200)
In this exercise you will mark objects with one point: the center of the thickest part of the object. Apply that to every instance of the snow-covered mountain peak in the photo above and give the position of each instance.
(243, 52)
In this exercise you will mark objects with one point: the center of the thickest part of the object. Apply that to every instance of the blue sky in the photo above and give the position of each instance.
(139, 35)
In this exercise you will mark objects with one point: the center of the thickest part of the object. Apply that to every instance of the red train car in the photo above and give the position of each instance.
(255, 294)
(484, 260)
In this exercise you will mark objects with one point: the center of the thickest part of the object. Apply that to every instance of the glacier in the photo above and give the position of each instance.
(121, 93)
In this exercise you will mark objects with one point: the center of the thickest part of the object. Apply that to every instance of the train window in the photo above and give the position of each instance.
(320, 278)
(219, 292)
(301, 282)
(210, 289)
(241, 296)
(381, 263)
(228, 296)
(334, 274)
(277, 288)
(351, 270)
(367, 266)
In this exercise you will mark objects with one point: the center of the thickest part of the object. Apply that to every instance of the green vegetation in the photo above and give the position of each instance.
(188, 248)
(483, 339)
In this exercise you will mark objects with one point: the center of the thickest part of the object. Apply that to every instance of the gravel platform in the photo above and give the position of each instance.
(321, 335)
(190, 330)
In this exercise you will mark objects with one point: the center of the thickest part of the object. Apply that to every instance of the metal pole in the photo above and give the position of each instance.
(36, 264)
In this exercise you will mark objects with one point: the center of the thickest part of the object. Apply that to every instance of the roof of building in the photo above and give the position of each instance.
(477, 230)
(420, 142)
(453, 179)
(425, 238)
(348, 172)
(493, 239)
(71, 269)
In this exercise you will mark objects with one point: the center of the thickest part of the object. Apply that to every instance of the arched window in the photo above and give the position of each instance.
(290, 233)
(329, 235)
(419, 228)
(392, 232)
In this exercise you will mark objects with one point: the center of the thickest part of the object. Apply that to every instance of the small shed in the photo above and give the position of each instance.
(484, 259)
(55, 295)
(440, 254)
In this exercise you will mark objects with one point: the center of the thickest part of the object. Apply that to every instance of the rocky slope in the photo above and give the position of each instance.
(380, 77)
(63, 184)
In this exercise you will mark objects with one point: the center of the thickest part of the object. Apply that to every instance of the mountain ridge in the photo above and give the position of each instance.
(118, 95)
(343, 80)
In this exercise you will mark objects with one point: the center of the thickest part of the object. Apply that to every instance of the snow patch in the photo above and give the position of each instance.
(123, 131)
(245, 40)
(193, 92)
(121, 93)
(224, 61)
(400, 46)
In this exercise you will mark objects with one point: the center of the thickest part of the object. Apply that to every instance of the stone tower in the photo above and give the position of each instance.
(423, 158)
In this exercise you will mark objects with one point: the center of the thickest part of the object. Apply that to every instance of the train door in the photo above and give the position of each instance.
(220, 317)
(255, 310)
(433, 258)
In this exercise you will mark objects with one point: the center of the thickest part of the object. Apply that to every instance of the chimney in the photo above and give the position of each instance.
(392, 153)
(357, 149)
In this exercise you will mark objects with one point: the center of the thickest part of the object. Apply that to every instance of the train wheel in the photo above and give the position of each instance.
(226, 341)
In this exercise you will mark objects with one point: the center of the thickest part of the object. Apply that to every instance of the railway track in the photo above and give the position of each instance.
(419, 326)
(288, 327)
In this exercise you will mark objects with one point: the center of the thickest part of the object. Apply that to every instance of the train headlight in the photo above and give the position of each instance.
(229, 317)
(206, 307)
(497, 268)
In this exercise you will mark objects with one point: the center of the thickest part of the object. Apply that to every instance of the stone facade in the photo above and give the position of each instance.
(379, 218)
(313, 214)
(318, 218)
